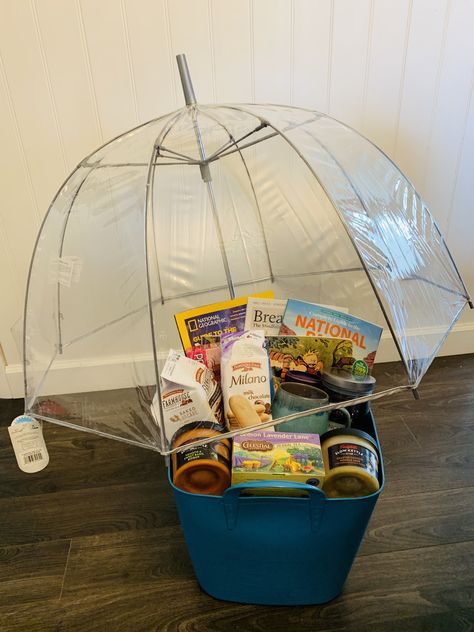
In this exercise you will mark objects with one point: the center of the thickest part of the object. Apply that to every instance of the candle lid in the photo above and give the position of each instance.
(347, 382)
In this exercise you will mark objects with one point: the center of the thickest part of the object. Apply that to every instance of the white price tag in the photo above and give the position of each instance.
(26, 435)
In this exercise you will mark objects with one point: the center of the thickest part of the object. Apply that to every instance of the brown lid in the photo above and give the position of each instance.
(211, 427)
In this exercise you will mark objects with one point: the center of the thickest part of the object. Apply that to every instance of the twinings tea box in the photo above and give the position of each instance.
(270, 456)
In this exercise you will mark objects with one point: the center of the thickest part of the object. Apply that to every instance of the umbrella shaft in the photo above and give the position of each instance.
(207, 179)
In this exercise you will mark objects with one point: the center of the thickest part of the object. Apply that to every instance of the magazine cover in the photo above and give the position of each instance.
(311, 355)
(308, 319)
(213, 320)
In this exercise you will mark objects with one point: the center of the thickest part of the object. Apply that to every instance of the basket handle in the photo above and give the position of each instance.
(317, 499)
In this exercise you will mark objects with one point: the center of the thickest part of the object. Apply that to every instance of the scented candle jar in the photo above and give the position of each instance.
(203, 469)
(351, 462)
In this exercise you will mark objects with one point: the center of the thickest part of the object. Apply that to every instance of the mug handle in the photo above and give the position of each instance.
(346, 414)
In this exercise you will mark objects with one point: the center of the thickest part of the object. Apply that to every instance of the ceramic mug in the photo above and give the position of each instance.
(294, 397)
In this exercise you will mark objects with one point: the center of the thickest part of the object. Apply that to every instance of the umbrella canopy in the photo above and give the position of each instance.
(205, 204)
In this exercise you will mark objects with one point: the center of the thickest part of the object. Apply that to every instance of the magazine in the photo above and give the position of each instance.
(213, 320)
(308, 319)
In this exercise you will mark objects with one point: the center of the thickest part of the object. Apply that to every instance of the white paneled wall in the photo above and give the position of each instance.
(74, 73)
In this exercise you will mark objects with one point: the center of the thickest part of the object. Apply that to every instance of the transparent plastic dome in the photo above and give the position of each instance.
(208, 203)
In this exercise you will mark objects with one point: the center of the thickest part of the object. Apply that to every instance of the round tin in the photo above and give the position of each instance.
(341, 386)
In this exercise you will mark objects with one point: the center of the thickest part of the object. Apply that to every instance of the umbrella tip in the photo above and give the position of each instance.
(185, 77)
(471, 304)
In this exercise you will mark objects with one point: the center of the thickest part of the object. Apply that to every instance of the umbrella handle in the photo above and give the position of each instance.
(185, 77)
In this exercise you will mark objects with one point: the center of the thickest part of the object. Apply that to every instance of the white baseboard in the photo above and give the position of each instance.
(96, 374)
(88, 374)
(459, 341)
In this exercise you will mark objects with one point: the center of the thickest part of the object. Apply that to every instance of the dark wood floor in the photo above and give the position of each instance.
(92, 542)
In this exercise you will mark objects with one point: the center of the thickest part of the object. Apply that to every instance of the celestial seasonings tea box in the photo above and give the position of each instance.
(267, 456)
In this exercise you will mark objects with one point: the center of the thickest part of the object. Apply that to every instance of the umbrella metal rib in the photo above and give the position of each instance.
(142, 164)
(232, 140)
(153, 223)
(228, 152)
(418, 277)
(162, 148)
(259, 213)
(60, 254)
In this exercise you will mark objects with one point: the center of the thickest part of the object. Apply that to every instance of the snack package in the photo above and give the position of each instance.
(246, 383)
(189, 394)
(209, 353)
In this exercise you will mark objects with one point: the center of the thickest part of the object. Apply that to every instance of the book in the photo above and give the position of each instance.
(266, 314)
(309, 319)
(194, 325)
(310, 355)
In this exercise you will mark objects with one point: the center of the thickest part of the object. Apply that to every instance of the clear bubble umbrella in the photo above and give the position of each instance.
(205, 204)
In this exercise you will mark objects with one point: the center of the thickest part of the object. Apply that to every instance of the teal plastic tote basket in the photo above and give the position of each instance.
(275, 550)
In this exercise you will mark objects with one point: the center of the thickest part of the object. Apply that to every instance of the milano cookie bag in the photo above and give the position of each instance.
(245, 379)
